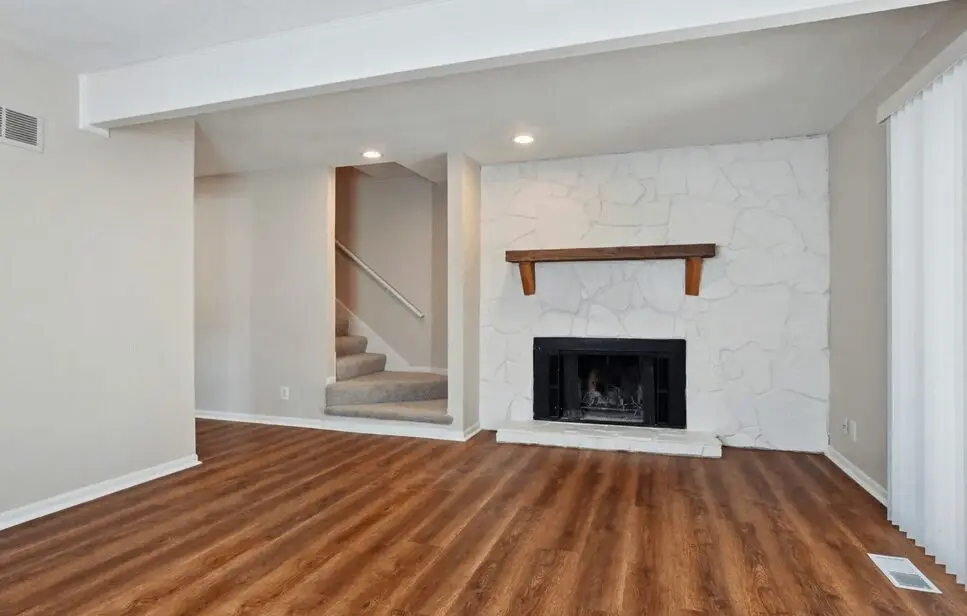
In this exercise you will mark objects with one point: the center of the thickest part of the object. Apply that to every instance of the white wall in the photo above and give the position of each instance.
(757, 336)
(388, 223)
(223, 294)
(858, 307)
(438, 296)
(463, 290)
(95, 295)
(263, 300)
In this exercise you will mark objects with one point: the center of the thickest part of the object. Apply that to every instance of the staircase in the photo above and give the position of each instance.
(364, 389)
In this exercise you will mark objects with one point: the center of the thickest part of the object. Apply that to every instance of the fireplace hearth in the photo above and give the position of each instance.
(620, 381)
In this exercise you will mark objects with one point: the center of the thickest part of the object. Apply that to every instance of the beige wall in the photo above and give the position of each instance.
(95, 295)
(223, 306)
(263, 303)
(858, 261)
(463, 289)
(438, 297)
(388, 223)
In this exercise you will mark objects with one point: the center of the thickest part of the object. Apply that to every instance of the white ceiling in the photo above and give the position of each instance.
(89, 35)
(791, 81)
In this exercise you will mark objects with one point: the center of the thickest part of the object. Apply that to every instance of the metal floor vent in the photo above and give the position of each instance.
(21, 130)
(903, 574)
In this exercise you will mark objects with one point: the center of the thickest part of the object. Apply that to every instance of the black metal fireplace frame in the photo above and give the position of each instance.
(671, 349)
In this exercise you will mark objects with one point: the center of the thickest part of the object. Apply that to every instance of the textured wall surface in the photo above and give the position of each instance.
(758, 361)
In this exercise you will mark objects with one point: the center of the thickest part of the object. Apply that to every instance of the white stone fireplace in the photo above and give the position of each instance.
(757, 364)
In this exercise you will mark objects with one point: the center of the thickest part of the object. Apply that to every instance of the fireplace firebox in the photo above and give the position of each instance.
(619, 381)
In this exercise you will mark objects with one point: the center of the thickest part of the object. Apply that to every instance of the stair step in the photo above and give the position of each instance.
(425, 411)
(361, 364)
(342, 327)
(387, 387)
(350, 345)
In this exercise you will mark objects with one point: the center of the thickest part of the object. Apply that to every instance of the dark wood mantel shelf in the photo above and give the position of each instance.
(693, 254)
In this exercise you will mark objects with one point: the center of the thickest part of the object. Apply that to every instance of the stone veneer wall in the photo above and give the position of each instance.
(758, 361)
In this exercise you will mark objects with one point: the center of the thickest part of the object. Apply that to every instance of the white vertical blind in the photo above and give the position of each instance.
(928, 431)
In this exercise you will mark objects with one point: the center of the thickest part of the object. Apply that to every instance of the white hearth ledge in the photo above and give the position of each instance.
(612, 438)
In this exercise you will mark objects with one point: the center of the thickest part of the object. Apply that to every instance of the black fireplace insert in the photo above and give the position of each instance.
(616, 381)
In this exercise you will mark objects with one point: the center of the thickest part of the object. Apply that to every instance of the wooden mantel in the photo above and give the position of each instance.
(692, 253)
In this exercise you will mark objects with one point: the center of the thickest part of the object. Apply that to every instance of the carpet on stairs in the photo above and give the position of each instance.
(423, 411)
(364, 389)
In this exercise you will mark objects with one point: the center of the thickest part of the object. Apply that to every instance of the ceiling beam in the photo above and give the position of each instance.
(424, 40)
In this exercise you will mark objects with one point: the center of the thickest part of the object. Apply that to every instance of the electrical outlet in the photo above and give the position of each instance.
(845, 426)
(283, 393)
(852, 430)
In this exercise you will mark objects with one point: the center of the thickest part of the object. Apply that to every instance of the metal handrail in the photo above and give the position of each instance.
(380, 280)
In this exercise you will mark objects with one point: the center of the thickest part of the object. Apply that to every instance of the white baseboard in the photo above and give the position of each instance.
(472, 431)
(270, 420)
(80, 496)
(377, 427)
(856, 474)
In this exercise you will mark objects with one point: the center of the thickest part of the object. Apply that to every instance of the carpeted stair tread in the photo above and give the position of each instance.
(350, 345)
(387, 387)
(359, 365)
(424, 411)
(342, 327)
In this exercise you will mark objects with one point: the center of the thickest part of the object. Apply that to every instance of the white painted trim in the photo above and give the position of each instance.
(269, 420)
(946, 59)
(330, 380)
(471, 432)
(377, 427)
(86, 494)
(856, 474)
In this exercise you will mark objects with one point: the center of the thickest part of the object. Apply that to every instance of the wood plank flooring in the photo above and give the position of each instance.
(288, 521)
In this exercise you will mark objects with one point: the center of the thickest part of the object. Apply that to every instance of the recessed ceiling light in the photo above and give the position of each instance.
(524, 139)
(372, 154)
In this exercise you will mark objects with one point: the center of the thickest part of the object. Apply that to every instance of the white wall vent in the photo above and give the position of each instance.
(21, 130)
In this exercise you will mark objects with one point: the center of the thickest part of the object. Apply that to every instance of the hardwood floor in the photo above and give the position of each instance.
(289, 521)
